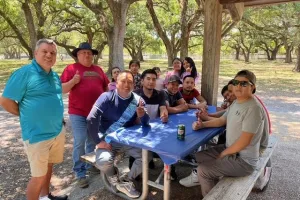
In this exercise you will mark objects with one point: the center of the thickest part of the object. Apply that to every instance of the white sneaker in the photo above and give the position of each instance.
(191, 180)
(128, 188)
(44, 198)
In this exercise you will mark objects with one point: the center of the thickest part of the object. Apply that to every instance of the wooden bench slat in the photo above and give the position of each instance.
(240, 187)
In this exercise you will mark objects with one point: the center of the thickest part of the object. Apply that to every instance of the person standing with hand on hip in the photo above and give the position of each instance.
(85, 82)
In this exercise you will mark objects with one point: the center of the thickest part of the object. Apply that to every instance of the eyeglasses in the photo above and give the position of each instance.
(241, 83)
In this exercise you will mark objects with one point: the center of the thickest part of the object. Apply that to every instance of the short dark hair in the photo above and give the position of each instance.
(224, 89)
(125, 71)
(134, 62)
(188, 76)
(156, 68)
(148, 71)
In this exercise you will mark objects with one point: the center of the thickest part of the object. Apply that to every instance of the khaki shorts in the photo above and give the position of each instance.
(41, 153)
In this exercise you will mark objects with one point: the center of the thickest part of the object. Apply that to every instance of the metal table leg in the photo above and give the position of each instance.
(145, 174)
(167, 181)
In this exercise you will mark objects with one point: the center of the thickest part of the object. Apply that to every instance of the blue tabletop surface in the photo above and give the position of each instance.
(161, 138)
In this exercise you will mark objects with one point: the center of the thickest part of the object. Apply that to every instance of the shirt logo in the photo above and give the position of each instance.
(91, 74)
(237, 113)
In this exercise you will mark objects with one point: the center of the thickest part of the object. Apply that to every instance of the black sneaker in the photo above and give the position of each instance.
(63, 197)
(173, 173)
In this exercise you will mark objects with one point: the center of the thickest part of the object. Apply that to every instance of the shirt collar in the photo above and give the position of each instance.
(40, 69)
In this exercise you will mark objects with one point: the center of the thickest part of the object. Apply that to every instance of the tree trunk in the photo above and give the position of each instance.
(30, 24)
(274, 54)
(140, 55)
(116, 36)
(268, 54)
(170, 57)
(237, 53)
(100, 49)
(184, 40)
(288, 55)
(246, 54)
(297, 68)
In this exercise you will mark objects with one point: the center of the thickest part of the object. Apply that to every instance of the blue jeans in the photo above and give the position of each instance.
(82, 144)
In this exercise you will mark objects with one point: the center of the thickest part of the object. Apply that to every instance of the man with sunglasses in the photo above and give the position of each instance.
(245, 120)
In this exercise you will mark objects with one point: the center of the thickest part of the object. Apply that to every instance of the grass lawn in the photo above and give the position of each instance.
(272, 75)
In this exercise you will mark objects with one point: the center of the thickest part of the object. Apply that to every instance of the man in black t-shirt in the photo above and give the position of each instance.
(155, 100)
(174, 100)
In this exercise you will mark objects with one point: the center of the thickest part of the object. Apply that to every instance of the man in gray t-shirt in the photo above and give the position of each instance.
(245, 120)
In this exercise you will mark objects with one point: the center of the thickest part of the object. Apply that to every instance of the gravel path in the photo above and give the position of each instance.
(284, 109)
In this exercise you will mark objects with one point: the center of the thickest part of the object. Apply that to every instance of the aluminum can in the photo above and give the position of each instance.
(181, 132)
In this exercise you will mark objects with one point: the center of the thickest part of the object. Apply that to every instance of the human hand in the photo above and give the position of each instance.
(164, 117)
(104, 145)
(197, 125)
(222, 155)
(188, 69)
(224, 105)
(76, 78)
(202, 106)
(140, 110)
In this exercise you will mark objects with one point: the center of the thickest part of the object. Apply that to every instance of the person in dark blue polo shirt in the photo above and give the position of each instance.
(34, 93)
(113, 110)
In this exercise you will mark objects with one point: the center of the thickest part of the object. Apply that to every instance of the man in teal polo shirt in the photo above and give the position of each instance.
(34, 93)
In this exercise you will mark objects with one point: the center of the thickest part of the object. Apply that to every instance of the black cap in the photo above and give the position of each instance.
(174, 78)
(85, 46)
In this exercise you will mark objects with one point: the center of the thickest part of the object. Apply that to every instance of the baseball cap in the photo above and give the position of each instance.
(174, 78)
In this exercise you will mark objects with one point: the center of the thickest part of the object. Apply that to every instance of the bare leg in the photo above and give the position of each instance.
(46, 186)
(34, 187)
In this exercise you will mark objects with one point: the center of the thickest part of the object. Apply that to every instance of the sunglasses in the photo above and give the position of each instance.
(241, 83)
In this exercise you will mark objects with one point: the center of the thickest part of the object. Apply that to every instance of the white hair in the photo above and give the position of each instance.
(46, 41)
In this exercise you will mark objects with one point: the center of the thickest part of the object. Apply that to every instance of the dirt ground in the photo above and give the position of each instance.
(284, 108)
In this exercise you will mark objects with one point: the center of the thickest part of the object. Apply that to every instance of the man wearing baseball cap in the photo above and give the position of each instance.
(85, 82)
(174, 100)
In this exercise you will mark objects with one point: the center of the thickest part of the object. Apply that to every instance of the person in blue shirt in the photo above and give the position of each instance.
(34, 93)
(113, 110)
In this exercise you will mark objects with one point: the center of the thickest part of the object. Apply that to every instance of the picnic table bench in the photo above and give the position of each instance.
(233, 188)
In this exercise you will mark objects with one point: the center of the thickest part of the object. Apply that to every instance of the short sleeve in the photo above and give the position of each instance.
(67, 74)
(226, 113)
(196, 93)
(252, 120)
(162, 98)
(178, 96)
(16, 85)
(105, 79)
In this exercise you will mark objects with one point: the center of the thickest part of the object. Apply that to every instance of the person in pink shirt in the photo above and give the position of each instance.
(178, 70)
(84, 82)
(114, 74)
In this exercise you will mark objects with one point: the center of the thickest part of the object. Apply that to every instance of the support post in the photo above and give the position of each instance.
(211, 50)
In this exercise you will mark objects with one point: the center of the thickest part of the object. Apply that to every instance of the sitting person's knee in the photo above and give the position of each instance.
(104, 161)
